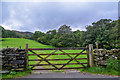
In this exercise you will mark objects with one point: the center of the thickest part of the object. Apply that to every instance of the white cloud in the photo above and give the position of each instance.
(78, 28)
(49, 16)
(6, 27)
(12, 24)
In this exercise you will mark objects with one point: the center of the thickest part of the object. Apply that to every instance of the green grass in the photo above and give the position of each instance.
(101, 70)
(16, 74)
(112, 68)
(16, 42)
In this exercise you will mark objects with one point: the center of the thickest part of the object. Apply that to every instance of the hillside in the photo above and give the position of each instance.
(16, 42)
(24, 33)
(14, 33)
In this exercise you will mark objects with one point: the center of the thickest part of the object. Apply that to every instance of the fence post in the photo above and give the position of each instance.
(88, 56)
(91, 59)
(96, 45)
(20, 47)
(26, 57)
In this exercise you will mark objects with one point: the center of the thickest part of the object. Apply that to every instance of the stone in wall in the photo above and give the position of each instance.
(101, 56)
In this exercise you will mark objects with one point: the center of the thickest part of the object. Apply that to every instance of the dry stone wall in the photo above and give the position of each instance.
(101, 56)
(12, 58)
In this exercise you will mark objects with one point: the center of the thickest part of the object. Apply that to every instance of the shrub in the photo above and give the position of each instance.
(113, 64)
(112, 68)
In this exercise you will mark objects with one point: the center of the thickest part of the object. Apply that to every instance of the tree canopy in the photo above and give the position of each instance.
(105, 31)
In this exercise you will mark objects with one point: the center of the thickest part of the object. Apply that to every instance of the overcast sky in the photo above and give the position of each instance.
(44, 16)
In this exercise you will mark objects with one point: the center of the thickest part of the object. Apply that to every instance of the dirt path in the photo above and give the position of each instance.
(67, 75)
(53, 71)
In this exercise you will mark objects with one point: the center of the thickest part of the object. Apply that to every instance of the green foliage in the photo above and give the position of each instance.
(95, 69)
(37, 34)
(3, 32)
(113, 64)
(104, 32)
(11, 34)
(52, 32)
(14, 74)
(64, 30)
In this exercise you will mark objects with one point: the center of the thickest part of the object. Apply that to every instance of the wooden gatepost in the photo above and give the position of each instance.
(91, 58)
(26, 57)
(88, 63)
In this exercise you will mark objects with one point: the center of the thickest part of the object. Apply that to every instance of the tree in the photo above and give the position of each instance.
(78, 35)
(64, 30)
(66, 40)
(3, 32)
(52, 32)
(37, 34)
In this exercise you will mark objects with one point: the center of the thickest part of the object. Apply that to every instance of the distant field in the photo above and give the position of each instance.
(16, 42)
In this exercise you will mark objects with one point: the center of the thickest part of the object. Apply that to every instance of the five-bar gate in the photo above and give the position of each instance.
(71, 60)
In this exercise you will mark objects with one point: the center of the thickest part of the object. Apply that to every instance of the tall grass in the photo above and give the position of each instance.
(112, 68)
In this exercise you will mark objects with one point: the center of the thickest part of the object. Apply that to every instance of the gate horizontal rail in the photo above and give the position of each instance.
(57, 69)
(54, 64)
(61, 54)
(56, 48)
(55, 59)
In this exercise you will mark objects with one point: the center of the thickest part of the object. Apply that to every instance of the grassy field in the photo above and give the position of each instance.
(16, 42)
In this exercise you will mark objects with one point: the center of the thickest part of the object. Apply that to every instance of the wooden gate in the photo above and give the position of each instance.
(39, 59)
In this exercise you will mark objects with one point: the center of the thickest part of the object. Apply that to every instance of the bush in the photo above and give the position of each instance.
(112, 68)
(113, 64)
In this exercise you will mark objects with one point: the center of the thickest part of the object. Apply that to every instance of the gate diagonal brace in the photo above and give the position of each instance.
(77, 56)
(72, 59)
(38, 56)
(44, 59)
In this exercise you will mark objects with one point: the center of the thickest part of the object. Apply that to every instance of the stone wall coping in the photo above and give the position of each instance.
(100, 49)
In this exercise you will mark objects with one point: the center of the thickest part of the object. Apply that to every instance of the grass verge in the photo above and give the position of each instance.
(101, 70)
(16, 74)
(112, 68)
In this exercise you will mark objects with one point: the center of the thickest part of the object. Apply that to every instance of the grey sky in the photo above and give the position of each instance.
(44, 16)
